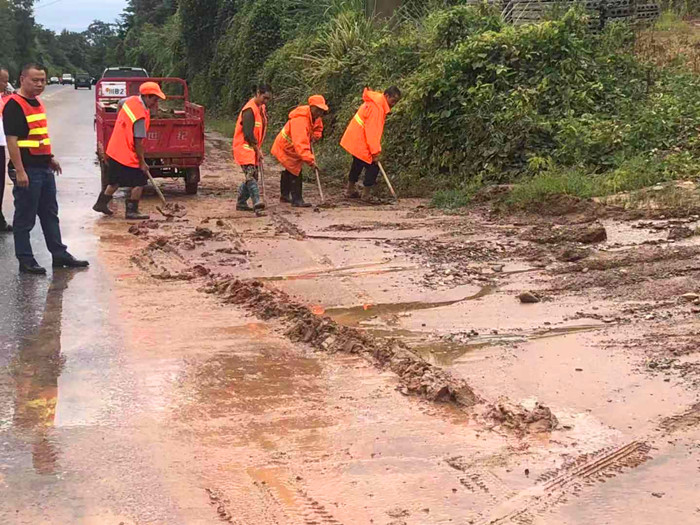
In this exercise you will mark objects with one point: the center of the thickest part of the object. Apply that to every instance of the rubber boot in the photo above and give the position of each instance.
(102, 204)
(242, 202)
(297, 193)
(254, 192)
(285, 188)
(351, 191)
(132, 211)
(367, 195)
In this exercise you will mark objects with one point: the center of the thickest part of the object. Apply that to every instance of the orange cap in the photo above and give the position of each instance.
(151, 88)
(318, 101)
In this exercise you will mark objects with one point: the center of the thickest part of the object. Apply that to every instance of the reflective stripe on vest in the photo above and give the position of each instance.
(286, 137)
(359, 120)
(33, 143)
(129, 113)
(37, 141)
(35, 117)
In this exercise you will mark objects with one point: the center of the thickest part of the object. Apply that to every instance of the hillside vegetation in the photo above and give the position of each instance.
(551, 106)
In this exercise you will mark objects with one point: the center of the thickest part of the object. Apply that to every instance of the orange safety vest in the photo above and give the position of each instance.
(292, 146)
(37, 141)
(363, 136)
(121, 143)
(243, 153)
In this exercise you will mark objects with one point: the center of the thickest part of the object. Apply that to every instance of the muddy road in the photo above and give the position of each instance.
(349, 364)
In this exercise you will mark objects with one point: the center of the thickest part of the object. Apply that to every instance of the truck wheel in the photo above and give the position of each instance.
(191, 181)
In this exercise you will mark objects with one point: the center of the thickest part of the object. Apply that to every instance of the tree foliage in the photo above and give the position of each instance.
(23, 41)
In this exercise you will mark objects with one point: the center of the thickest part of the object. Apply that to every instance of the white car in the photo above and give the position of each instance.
(54, 80)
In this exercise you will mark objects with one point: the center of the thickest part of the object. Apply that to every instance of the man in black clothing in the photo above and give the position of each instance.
(32, 169)
(4, 80)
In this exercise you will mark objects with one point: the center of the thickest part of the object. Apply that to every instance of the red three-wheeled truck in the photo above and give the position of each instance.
(175, 144)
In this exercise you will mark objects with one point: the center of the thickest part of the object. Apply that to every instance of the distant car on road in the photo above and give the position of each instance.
(54, 80)
(124, 72)
(66, 79)
(83, 80)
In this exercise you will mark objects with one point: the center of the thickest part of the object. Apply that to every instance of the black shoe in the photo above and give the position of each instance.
(68, 261)
(259, 206)
(32, 267)
(243, 207)
(102, 204)
(301, 204)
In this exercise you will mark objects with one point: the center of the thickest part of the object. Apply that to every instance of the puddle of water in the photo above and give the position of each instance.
(354, 315)
(339, 272)
(447, 352)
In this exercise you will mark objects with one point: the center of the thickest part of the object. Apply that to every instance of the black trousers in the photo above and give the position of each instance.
(371, 172)
(3, 168)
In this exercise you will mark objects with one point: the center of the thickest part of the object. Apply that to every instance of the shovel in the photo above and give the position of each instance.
(318, 180)
(261, 172)
(168, 210)
(318, 177)
(388, 182)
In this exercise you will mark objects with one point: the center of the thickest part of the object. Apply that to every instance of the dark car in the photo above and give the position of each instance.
(82, 80)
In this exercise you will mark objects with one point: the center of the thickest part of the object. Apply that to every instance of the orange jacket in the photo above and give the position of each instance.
(244, 153)
(121, 143)
(363, 136)
(292, 147)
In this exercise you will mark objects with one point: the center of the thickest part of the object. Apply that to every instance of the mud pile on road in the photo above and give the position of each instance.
(451, 262)
(521, 420)
(417, 376)
(557, 234)
(185, 253)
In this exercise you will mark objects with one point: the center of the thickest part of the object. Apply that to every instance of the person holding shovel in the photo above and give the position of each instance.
(125, 151)
(292, 148)
(363, 139)
(248, 137)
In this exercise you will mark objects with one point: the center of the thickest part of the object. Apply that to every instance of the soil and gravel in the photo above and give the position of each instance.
(572, 333)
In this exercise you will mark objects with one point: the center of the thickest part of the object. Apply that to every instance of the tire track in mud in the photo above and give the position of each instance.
(555, 485)
(290, 500)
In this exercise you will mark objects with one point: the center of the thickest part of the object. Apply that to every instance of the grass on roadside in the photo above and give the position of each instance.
(225, 126)
(634, 174)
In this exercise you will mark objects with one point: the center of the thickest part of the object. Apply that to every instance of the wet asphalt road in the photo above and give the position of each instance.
(55, 337)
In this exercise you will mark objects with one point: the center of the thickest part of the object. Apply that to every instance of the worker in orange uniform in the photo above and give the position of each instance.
(363, 139)
(248, 137)
(125, 151)
(292, 148)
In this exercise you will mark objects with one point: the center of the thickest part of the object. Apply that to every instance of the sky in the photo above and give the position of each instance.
(76, 15)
